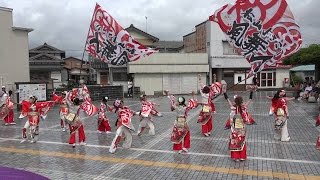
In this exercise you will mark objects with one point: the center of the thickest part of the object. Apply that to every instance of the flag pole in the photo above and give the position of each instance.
(84, 48)
(239, 82)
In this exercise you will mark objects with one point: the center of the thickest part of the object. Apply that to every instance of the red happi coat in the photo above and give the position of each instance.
(281, 103)
(148, 108)
(124, 117)
(34, 111)
(238, 132)
(273, 104)
(8, 106)
(102, 112)
(208, 106)
(247, 118)
(180, 127)
(63, 103)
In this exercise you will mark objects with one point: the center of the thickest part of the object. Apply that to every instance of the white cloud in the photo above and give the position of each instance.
(64, 23)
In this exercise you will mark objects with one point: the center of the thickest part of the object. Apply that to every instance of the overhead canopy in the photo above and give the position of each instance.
(303, 68)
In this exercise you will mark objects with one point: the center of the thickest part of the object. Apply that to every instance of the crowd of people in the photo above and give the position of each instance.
(78, 99)
(310, 91)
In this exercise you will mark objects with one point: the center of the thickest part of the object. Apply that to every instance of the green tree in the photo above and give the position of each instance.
(308, 55)
(295, 79)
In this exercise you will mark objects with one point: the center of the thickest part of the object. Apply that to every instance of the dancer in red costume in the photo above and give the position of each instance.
(124, 125)
(6, 108)
(73, 117)
(103, 122)
(318, 124)
(33, 110)
(64, 110)
(205, 115)
(147, 111)
(180, 135)
(281, 115)
(237, 143)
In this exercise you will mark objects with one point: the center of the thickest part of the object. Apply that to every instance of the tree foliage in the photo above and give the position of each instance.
(308, 55)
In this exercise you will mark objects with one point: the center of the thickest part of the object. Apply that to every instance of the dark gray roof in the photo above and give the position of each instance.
(168, 44)
(132, 28)
(51, 49)
(51, 58)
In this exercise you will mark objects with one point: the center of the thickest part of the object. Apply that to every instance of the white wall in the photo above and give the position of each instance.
(122, 83)
(215, 37)
(56, 75)
(98, 77)
(14, 51)
(148, 83)
(173, 58)
(280, 75)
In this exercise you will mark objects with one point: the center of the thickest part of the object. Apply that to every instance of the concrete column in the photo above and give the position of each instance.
(110, 76)
(219, 74)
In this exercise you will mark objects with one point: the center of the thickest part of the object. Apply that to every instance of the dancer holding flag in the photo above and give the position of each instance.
(33, 110)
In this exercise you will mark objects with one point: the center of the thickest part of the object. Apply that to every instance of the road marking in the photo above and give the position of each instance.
(142, 150)
(145, 163)
(192, 138)
(116, 168)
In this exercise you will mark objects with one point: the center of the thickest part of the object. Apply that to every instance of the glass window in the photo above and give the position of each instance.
(274, 79)
(267, 79)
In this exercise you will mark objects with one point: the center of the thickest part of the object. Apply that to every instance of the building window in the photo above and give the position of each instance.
(267, 79)
(239, 79)
(118, 76)
(228, 49)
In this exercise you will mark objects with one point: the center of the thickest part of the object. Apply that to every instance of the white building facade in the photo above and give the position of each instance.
(176, 72)
(14, 51)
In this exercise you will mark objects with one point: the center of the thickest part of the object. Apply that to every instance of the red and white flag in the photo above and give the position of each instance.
(89, 108)
(110, 43)
(263, 31)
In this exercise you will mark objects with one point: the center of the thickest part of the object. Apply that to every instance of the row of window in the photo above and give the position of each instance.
(266, 79)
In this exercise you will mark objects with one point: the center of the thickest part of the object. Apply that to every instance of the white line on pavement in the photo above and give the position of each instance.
(172, 152)
(117, 167)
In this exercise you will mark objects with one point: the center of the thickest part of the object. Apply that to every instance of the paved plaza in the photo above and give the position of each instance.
(151, 157)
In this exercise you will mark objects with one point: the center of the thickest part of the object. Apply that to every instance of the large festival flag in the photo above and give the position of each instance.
(263, 31)
(110, 43)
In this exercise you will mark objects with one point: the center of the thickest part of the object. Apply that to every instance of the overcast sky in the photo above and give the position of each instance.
(64, 23)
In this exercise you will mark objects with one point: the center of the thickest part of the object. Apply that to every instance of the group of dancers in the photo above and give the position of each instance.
(78, 99)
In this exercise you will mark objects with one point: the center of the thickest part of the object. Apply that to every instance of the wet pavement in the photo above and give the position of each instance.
(151, 157)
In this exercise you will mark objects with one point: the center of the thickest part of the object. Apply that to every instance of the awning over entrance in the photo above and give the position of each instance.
(229, 62)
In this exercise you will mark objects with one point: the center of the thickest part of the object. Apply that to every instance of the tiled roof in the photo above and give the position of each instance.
(168, 44)
(132, 28)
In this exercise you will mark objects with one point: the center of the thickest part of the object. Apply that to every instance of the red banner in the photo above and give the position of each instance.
(110, 43)
(263, 31)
